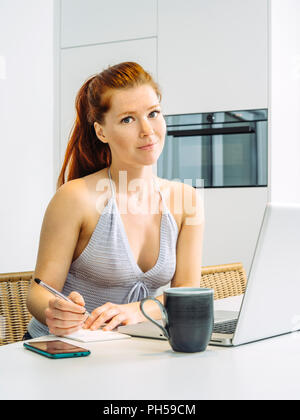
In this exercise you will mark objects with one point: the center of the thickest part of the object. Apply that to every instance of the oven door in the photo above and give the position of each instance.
(220, 155)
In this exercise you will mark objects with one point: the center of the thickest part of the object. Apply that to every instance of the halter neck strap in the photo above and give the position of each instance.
(156, 187)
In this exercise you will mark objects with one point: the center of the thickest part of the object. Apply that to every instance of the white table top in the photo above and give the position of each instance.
(148, 369)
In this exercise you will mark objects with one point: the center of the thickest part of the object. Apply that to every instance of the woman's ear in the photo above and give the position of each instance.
(100, 132)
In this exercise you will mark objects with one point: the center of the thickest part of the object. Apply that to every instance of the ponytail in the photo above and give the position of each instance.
(85, 153)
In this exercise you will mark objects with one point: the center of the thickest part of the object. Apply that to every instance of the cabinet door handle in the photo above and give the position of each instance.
(211, 131)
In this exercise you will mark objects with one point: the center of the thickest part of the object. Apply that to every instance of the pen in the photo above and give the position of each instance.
(55, 292)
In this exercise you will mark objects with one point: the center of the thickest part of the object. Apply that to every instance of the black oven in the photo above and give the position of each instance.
(224, 149)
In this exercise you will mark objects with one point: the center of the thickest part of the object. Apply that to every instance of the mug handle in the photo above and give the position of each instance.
(163, 312)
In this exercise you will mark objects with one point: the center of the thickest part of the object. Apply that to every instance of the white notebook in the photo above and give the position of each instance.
(99, 335)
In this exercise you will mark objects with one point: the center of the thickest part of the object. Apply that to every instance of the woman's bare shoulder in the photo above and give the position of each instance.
(182, 199)
(73, 191)
(76, 198)
(81, 189)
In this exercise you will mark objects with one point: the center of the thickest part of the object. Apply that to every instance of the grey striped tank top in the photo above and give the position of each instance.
(106, 270)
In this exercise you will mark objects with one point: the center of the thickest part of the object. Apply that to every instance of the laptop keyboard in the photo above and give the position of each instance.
(225, 327)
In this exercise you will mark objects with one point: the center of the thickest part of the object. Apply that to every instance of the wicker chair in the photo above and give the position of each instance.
(226, 280)
(14, 316)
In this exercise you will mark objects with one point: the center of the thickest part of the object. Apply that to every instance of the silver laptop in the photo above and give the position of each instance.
(271, 303)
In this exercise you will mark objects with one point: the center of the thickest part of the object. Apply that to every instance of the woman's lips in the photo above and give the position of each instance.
(148, 147)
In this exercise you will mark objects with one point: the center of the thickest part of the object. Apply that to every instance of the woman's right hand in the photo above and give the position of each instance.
(63, 317)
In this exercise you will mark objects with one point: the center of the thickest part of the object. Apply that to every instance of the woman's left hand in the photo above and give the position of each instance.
(114, 315)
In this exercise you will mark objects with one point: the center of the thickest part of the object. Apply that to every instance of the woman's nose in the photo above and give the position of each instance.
(146, 128)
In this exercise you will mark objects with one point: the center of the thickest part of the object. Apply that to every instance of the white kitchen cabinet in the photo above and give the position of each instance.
(78, 64)
(86, 22)
(212, 55)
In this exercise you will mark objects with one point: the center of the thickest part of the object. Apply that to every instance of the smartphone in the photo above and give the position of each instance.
(56, 349)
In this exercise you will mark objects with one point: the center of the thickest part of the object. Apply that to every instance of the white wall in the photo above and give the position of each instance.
(233, 218)
(284, 100)
(26, 128)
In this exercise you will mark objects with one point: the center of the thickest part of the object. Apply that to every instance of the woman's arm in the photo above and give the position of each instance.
(59, 235)
(190, 241)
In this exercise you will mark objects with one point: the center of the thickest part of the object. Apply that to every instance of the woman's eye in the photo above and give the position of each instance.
(126, 120)
(154, 113)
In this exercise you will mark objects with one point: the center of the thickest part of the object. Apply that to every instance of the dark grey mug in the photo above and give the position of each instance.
(188, 317)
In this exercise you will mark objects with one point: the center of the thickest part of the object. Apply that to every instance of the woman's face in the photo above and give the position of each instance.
(133, 122)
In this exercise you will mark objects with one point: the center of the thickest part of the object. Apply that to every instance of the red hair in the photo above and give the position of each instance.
(85, 153)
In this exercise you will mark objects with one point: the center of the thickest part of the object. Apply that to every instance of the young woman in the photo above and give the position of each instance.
(114, 233)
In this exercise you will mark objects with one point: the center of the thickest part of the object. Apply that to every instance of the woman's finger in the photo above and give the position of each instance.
(63, 331)
(96, 313)
(64, 315)
(115, 322)
(76, 298)
(63, 324)
(104, 316)
(64, 305)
